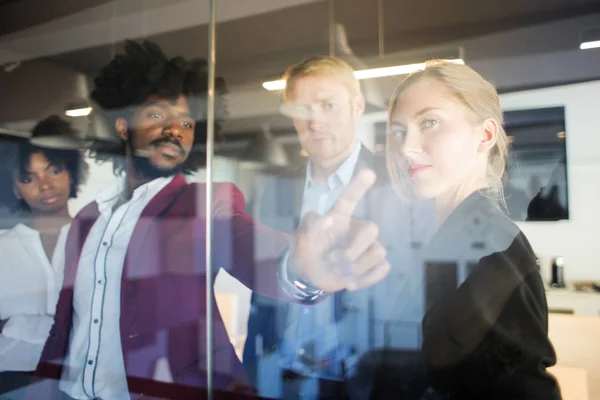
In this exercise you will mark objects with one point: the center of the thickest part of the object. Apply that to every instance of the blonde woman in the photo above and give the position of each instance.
(485, 332)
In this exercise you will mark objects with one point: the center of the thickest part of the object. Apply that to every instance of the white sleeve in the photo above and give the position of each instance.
(17, 355)
(28, 328)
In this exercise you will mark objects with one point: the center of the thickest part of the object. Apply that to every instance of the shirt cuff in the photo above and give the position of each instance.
(294, 286)
(28, 328)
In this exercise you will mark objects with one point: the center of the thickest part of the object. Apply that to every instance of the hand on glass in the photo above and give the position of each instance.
(335, 252)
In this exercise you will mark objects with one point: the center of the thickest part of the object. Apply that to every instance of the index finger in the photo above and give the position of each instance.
(346, 203)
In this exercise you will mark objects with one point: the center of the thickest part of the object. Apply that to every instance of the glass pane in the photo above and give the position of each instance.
(486, 288)
(103, 144)
(485, 275)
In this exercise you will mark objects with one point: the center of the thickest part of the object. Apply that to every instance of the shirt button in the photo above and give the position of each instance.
(99, 282)
(90, 362)
(301, 351)
(104, 244)
(95, 321)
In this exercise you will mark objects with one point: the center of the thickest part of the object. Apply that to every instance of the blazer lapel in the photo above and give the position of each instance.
(366, 204)
(297, 197)
(153, 209)
(78, 233)
(298, 180)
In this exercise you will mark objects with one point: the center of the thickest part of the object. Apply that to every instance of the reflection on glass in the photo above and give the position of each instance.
(132, 314)
(35, 185)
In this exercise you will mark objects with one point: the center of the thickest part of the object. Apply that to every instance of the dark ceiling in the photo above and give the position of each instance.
(259, 47)
(303, 30)
(16, 15)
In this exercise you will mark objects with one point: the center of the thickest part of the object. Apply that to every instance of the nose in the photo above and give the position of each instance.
(44, 183)
(412, 143)
(316, 120)
(315, 125)
(173, 127)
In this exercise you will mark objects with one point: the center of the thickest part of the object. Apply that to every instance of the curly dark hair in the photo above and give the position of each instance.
(16, 154)
(144, 70)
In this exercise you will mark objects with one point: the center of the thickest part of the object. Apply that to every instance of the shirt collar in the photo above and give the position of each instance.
(107, 198)
(25, 229)
(341, 175)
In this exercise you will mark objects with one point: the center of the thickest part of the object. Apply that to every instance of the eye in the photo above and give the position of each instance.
(187, 124)
(25, 179)
(57, 170)
(398, 132)
(154, 115)
(327, 106)
(302, 112)
(429, 123)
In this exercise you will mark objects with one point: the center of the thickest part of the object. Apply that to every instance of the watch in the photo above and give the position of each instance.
(297, 287)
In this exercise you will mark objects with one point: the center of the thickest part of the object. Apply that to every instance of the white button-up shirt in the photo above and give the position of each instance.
(29, 290)
(94, 367)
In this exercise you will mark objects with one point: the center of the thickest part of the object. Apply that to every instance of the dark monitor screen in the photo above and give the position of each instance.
(535, 186)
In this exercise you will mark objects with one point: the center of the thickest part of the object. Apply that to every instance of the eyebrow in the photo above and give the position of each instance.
(50, 165)
(425, 110)
(27, 170)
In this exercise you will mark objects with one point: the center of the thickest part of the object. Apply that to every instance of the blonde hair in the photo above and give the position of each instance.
(321, 66)
(476, 94)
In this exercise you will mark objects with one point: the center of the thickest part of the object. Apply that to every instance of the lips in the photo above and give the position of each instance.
(415, 169)
(49, 200)
(169, 149)
(320, 138)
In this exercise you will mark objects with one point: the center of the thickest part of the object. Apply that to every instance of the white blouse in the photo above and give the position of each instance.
(29, 287)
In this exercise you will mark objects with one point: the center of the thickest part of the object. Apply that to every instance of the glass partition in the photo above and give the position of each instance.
(187, 205)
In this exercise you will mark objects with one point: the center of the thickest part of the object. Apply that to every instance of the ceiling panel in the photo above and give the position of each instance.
(16, 15)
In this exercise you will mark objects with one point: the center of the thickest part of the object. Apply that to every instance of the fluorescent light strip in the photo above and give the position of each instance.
(274, 85)
(79, 112)
(369, 73)
(590, 45)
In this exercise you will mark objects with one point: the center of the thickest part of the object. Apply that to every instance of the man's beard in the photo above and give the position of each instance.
(143, 167)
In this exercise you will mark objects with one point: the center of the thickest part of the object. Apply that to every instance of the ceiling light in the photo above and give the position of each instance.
(274, 85)
(590, 45)
(370, 73)
(78, 112)
(589, 38)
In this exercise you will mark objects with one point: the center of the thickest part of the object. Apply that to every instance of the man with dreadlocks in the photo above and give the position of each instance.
(134, 287)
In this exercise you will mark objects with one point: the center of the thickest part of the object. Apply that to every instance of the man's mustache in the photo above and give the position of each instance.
(167, 140)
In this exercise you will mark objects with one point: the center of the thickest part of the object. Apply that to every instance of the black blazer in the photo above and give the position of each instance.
(485, 334)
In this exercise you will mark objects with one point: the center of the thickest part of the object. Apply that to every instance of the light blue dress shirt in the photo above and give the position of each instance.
(312, 333)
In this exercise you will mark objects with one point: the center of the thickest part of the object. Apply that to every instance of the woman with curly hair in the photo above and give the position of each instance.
(35, 185)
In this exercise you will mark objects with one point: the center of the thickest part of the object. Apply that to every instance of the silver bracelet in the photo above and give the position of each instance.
(294, 286)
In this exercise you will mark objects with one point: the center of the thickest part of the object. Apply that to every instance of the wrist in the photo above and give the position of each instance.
(296, 286)
(300, 281)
